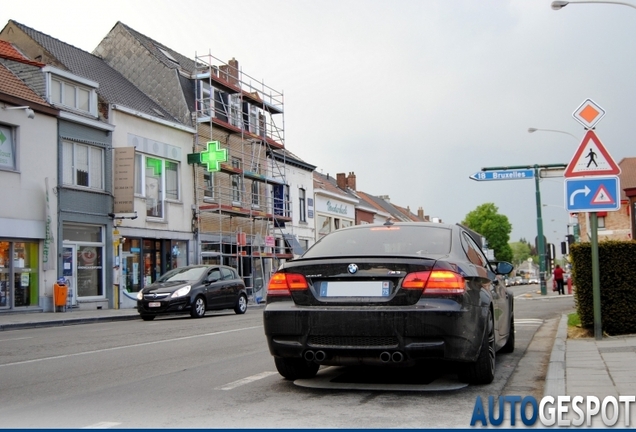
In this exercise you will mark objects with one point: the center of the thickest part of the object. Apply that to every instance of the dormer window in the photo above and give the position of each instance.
(71, 91)
(70, 95)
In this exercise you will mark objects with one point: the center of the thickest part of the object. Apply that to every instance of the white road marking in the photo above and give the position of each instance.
(128, 346)
(102, 425)
(4, 340)
(529, 322)
(244, 381)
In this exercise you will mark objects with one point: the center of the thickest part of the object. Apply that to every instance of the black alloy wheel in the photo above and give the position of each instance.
(483, 370)
(510, 342)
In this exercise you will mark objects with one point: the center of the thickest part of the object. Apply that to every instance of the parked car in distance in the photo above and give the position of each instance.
(390, 295)
(193, 289)
(533, 280)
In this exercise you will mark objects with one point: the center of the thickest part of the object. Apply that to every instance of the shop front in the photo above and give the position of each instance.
(333, 214)
(144, 260)
(19, 274)
(83, 264)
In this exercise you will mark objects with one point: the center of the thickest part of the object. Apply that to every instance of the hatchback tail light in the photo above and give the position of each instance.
(435, 282)
(282, 284)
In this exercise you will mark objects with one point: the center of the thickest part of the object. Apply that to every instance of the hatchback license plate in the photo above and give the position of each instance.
(154, 304)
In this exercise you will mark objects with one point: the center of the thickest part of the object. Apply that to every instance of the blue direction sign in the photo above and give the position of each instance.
(503, 175)
(592, 194)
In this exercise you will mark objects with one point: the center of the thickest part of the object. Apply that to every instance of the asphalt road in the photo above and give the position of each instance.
(216, 372)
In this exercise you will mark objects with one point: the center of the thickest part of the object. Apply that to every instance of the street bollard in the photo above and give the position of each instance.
(569, 285)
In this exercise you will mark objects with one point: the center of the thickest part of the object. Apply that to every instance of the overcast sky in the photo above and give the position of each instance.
(412, 96)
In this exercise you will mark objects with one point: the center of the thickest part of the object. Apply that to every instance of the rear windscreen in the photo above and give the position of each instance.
(384, 240)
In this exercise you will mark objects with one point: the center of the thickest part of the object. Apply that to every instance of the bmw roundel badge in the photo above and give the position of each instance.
(352, 268)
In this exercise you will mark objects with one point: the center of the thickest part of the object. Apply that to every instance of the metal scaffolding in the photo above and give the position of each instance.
(242, 207)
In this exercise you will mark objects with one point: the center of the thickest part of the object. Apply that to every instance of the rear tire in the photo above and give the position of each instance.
(296, 368)
(483, 370)
(510, 343)
(241, 305)
(147, 317)
(197, 310)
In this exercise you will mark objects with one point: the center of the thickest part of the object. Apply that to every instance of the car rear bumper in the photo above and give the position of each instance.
(364, 335)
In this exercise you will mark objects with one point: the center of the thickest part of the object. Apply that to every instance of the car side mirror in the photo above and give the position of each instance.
(212, 279)
(503, 267)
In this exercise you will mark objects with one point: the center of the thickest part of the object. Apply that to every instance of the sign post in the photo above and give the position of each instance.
(528, 172)
(592, 185)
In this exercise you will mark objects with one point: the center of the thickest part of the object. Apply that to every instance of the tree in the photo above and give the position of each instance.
(495, 227)
(520, 252)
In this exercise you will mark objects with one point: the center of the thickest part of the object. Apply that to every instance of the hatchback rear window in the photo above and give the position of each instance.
(382, 240)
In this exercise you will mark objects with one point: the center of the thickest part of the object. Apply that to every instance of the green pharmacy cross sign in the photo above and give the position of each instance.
(211, 157)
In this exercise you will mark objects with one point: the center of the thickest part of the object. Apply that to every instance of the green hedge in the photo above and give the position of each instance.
(617, 270)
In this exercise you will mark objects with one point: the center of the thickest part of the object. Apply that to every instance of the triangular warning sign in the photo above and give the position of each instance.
(602, 196)
(591, 159)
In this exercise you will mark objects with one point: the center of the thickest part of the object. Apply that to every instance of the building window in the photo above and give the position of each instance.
(255, 193)
(73, 96)
(287, 201)
(302, 209)
(208, 191)
(324, 225)
(236, 181)
(8, 149)
(83, 165)
(601, 222)
(156, 180)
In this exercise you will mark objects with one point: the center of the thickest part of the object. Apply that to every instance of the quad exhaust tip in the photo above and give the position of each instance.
(317, 356)
(395, 357)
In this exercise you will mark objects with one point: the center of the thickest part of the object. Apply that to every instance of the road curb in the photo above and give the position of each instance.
(66, 322)
(555, 378)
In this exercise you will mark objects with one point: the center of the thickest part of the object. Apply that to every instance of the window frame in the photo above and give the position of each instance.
(302, 203)
(61, 96)
(141, 186)
(13, 138)
(90, 165)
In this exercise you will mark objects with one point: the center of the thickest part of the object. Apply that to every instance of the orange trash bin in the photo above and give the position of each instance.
(60, 291)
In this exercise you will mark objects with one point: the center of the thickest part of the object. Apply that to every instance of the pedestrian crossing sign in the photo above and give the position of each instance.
(591, 159)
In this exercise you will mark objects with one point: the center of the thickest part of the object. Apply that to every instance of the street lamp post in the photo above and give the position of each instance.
(532, 130)
(558, 5)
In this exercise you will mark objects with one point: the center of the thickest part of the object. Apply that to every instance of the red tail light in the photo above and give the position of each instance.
(435, 282)
(281, 284)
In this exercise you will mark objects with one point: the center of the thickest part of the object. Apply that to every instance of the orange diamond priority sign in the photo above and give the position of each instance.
(588, 114)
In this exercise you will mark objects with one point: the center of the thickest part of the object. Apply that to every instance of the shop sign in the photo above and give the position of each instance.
(124, 185)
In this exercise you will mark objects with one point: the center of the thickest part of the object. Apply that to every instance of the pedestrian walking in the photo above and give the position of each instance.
(558, 277)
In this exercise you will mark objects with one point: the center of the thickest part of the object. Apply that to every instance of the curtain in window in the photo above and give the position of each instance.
(96, 168)
(67, 163)
(81, 165)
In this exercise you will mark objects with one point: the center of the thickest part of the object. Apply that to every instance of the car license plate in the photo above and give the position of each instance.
(355, 289)
(154, 304)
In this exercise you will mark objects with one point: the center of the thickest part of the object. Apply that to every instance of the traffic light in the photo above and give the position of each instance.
(564, 248)
(571, 239)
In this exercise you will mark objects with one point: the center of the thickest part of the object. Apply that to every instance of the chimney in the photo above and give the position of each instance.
(341, 181)
(385, 198)
(229, 72)
(351, 181)
(420, 213)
